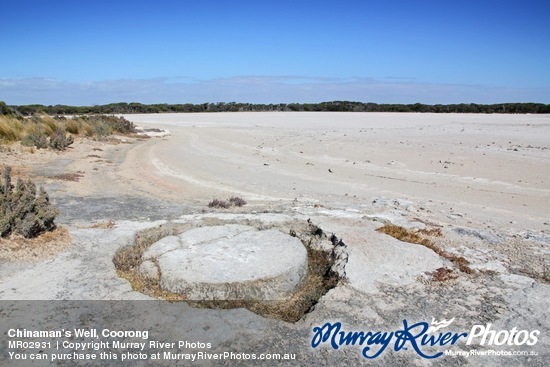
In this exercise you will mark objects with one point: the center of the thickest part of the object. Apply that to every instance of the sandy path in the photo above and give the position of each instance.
(490, 164)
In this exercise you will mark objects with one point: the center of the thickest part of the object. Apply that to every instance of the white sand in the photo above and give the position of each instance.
(488, 165)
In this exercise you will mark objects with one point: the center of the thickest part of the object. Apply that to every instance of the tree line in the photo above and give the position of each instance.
(336, 106)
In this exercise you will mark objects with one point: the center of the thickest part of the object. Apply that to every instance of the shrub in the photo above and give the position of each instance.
(121, 125)
(22, 211)
(101, 129)
(233, 201)
(105, 125)
(5, 110)
(237, 201)
(60, 140)
(35, 137)
(219, 204)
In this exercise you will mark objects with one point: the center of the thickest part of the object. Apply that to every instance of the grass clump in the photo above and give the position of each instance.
(407, 235)
(70, 176)
(72, 127)
(11, 129)
(23, 210)
(44, 131)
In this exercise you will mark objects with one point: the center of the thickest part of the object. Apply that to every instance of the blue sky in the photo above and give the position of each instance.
(96, 52)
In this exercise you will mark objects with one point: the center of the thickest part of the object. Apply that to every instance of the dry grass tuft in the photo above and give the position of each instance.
(128, 258)
(72, 176)
(407, 235)
(11, 129)
(36, 130)
(18, 248)
(72, 127)
(433, 232)
(443, 274)
(103, 225)
(49, 124)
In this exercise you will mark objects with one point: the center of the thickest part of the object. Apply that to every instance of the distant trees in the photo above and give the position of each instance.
(336, 106)
(5, 110)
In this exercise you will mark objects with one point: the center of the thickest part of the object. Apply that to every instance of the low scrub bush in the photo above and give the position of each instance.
(226, 204)
(237, 201)
(35, 137)
(23, 211)
(60, 140)
(105, 125)
(219, 204)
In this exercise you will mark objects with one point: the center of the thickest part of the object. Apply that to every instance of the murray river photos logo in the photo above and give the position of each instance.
(418, 337)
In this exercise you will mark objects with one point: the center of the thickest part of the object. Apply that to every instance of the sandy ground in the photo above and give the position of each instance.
(483, 179)
(491, 166)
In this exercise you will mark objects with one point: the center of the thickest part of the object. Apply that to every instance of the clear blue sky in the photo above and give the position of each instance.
(95, 52)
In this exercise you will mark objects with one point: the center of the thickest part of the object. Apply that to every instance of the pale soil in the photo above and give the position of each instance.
(495, 167)
(488, 172)
(18, 248)
(483, 179)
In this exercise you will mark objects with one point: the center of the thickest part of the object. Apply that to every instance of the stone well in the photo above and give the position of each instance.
(228, 262)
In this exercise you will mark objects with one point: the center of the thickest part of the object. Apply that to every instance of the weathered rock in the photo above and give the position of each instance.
(483, 235)
(149, 270)
(230, 262)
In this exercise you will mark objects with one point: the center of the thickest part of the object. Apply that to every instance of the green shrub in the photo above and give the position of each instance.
(35, 137)
(122, 126)
(60, 140)
(106, 125)
(101, 129)
(22, 210)
(5, 110)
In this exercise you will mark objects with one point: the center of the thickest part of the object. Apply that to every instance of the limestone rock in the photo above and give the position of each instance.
(230, 262)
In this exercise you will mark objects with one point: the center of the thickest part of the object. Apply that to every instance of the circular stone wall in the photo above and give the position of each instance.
(228, 262)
